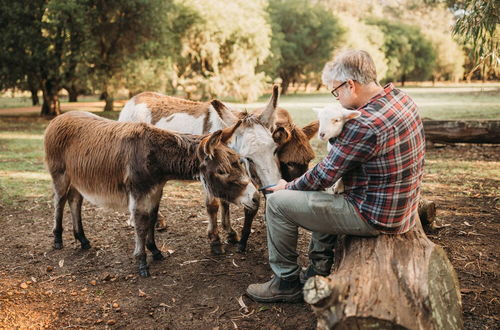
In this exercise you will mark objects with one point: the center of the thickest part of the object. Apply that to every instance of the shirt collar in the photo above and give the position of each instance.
(387, 89)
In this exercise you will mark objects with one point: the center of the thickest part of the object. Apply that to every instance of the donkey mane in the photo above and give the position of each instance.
(248, 119)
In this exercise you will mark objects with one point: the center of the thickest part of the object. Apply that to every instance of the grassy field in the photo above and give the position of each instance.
(22, 174)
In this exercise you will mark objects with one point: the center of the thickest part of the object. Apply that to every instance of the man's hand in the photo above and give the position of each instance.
(279, 186)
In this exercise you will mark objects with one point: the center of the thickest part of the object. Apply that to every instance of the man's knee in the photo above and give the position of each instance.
(276, 202)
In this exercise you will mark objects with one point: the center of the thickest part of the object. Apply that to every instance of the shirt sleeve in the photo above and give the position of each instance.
(355, 145)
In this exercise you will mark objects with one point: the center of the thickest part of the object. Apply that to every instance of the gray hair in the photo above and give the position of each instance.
(350, 64)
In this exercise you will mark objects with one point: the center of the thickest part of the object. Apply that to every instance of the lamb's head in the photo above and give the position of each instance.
(332, 118)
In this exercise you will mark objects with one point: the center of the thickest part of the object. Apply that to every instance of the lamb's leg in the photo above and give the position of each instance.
(232, 236)
(60, 186)
(212, 204)
(75, 200)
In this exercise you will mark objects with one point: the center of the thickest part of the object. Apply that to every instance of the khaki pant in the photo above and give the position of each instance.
(324, 214)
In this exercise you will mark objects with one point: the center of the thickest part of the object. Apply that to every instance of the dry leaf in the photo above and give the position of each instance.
(141, 293)
(61, 263)
(467, 224)
(242, 304)
(23, 285)
(235, 265)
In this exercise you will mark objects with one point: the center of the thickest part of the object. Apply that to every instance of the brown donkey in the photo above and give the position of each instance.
(126, 165)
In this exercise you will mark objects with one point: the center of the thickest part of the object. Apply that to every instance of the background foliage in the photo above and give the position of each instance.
(234, 49)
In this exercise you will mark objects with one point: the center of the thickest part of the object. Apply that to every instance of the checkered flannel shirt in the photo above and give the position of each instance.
(380, 158)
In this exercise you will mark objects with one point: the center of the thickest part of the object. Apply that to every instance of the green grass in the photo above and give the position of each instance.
(22, 172)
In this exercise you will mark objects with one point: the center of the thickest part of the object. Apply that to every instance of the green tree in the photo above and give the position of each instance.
(122, 31)
(360, 35)
(222, 44)
(435, 23)
(477, 24)
(410, 55)
(304, 37)
(36, 37)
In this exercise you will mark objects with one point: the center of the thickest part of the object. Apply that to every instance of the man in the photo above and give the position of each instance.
(379, 156)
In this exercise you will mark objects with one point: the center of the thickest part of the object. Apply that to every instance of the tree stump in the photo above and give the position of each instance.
(388, 282)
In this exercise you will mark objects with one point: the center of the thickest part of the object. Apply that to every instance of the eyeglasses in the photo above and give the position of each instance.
(334, 92)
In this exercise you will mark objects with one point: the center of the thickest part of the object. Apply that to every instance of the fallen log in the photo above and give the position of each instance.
(458, 131)
(388, 282)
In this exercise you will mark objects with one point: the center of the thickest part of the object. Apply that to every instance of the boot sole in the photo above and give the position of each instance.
(291, 298)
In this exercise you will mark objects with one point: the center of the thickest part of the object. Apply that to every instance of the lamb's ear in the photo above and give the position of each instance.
(317, 110)
(228, 132)
(311, 129)
(350, 114)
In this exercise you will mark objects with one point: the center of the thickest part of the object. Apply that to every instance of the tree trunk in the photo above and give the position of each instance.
(109, 103)
(34, 97)
(72, 93)
(108, 98)
(51, 106)
(388, 282)
(284, 85)
(457, 131)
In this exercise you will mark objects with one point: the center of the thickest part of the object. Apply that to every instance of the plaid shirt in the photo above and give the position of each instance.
(380, 158)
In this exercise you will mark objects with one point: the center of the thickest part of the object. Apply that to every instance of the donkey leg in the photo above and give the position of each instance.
(60, 186)
(247, 226)
(212, 204)
(153, 216)
(232, 236)
(141, 230)
(75, 200)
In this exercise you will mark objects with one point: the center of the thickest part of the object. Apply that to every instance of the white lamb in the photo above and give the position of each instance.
(332, 118)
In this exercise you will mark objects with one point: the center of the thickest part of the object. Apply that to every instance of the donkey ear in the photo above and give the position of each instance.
(281, 135)
(224, 112)
(228, 132)
(267, 117)
(209, 143)
(351, 114)
(311, 129)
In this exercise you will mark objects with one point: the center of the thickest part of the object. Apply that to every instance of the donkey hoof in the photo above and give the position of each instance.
(216, 249)
(86, 245)
(58, 245)
(144, 272)
(158, 256)
(241, 247)
(232, 238)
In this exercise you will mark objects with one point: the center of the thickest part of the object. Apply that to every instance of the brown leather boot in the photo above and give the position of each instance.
(276, 290)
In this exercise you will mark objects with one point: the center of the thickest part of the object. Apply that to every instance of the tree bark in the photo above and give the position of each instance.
(388, 282)
(34, 97)
(285, 82)
(73, 93)
(449, 131)
(51, 106)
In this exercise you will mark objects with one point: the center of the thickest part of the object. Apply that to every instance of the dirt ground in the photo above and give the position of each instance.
(192, 289)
